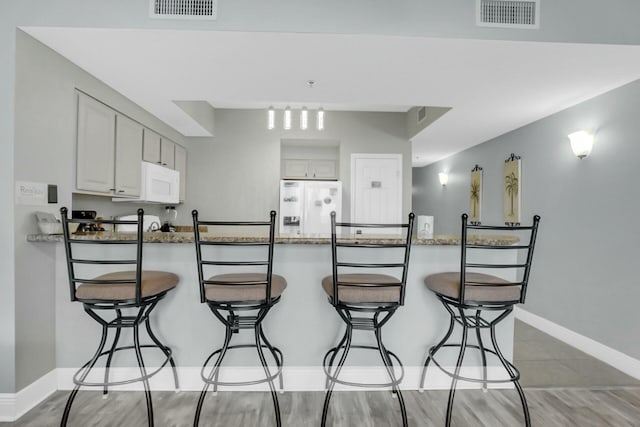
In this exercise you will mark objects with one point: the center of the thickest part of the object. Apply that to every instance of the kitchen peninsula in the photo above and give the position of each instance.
(302, 325)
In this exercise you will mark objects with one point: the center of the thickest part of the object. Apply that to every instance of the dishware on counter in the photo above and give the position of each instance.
(149, 223)
(49, 224)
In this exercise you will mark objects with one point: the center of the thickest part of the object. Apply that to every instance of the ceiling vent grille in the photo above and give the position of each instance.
(422, 114)
(508, 13)
(184, 9)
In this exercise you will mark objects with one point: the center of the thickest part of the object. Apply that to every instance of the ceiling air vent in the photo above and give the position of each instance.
(184, 9)
(508, 14)
(422, 114)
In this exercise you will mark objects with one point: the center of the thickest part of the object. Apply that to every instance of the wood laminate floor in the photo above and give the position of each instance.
(564, 387)
(549, 408)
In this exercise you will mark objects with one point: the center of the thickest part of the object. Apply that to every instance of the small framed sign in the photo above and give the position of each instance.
(511, 187)
(475, 195)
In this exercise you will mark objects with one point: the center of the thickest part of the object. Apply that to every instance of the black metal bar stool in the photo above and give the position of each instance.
(245, 297)
(116, 293)
(364, 300)
(484, 299)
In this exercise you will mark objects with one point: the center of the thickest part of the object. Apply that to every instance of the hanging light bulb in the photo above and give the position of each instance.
(287, 118)
(271, 118)
(304, 118)
(320, 119)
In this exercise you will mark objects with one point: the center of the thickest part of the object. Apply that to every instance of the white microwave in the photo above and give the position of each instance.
(158, 185)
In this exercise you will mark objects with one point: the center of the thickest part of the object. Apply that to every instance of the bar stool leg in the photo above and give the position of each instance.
(523, 399)
(335, 351)
(347, 347)
(389, 366)
(454, 381)
(166, 352)
(278, 358)
(143, 371)
(482, 353)
(263, 361)
(89, 366)
(214, 372)
(433, 351)
(107, 369)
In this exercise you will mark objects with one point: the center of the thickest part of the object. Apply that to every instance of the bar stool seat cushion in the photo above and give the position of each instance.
(235, 287)
(491, 289)
(375, 288)
(153, 283)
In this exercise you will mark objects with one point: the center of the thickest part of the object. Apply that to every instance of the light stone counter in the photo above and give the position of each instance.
(187, 237)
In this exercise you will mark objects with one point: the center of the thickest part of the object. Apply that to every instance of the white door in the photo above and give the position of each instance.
(376, 191)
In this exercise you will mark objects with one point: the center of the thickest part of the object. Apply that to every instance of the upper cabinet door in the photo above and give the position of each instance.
(151, 147)
(294, 168)
(322, 169)
(96, 144)
(167, 153)
(129, 136)
(181, 166)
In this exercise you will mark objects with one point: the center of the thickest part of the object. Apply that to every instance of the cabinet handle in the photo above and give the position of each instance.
(112, 189)
(120, 191)
(164, 164)
(159, 162)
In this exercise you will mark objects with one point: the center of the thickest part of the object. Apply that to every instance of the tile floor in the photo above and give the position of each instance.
(546, 362)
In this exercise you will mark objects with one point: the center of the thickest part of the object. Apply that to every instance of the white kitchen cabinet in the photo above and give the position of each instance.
(309, 169)
(95, 167)
(129, 137)
(167, 153)
(151, 147)
(158, 149)
(181, 166)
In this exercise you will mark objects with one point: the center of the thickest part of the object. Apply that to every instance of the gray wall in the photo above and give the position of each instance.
(613, 22)
(237, 173)
(45, 145)
(584, 275)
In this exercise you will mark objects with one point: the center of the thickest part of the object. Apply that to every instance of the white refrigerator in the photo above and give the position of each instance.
(305, 207)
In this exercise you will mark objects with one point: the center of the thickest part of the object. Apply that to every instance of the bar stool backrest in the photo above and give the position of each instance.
(264, 263)
(344, 239)
(102, 258)
(478, 255)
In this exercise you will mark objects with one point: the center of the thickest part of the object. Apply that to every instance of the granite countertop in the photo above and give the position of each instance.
(187, 237)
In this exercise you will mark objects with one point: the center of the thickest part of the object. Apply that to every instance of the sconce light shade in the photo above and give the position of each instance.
(320, 119)
(271, 118)
(286, 121)
(581, 143)
(444, 178)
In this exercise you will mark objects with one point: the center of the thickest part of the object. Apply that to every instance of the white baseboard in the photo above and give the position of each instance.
(14, 405)
(608, 355)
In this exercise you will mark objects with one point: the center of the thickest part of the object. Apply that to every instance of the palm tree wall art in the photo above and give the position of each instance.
(475, 195)
(511, 187)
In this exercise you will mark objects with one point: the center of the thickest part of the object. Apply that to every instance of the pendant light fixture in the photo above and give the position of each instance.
(271, 118)
(286, 122)
(320, 119)
(304, 118)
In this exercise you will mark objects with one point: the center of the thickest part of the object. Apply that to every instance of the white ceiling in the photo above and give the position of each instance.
(492, 86)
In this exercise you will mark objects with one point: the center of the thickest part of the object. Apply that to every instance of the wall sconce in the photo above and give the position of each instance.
(444, 178)
(581, 143)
